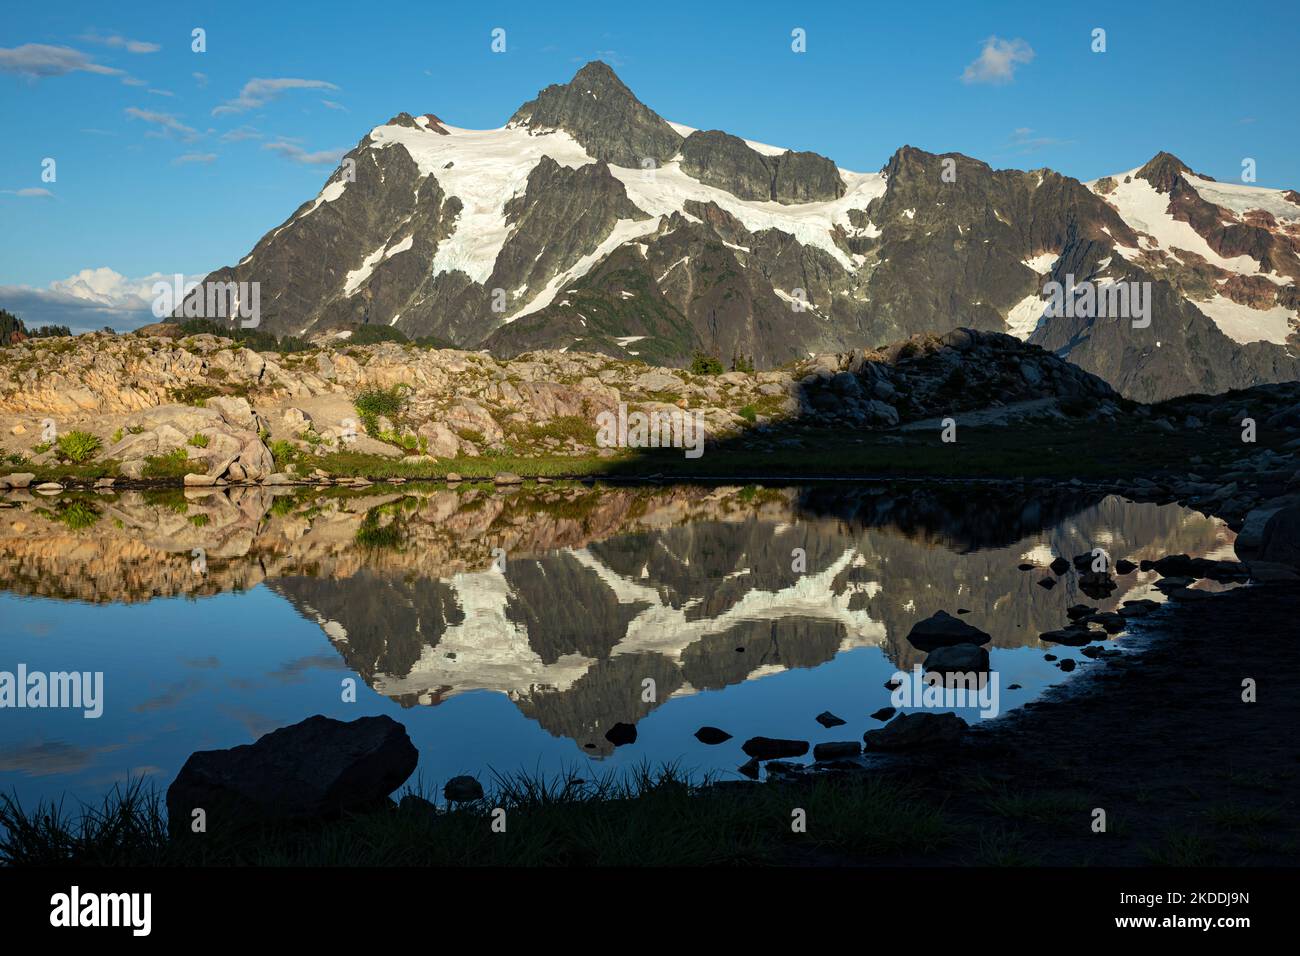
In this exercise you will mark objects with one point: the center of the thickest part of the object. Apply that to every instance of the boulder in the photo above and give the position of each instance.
(837, 750)
(310, 769)
(22, 479)
(771, 748)
(711, 736)
(463, 789)
(943, 630)
(960, 658)
(916, 731)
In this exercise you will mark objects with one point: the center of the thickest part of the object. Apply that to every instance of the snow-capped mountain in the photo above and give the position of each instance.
(588, 222)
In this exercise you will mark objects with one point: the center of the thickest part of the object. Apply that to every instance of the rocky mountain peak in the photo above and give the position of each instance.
(604, 116)
(1164, 170)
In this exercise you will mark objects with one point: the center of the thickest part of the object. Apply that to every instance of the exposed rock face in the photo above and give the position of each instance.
(310, 769)
(589, 223)
(604, 116)
(728, 162)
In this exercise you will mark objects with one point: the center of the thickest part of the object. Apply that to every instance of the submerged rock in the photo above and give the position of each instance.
(621, 734)
(711, 736)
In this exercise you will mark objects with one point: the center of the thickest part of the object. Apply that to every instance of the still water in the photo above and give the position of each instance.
(511, 629)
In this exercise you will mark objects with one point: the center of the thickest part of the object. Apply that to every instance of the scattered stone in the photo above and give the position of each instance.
(772, 748)
(711, 736)
(1048, 583)
(944, 630)
(828, 720)
(1059, 566)
(621, 734)
(463, 789)
(48, 488)
(884, 713)
(1066, 665)
(21, 479)
(503, 478)
(1024, 566)
(199, 481)
(1078, 611)
(750, 768)
(1125, 566)
(915, 731)
(837, 750)
(453, 477)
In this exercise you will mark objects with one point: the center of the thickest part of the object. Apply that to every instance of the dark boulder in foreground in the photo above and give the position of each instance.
(828, 720)
(884, 713)
(711, 736)
(916, 731)
(944, 630)
(313, 768)
(772, 748)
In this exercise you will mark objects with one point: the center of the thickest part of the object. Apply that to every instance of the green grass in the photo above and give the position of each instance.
(199, 440)
(641, 816)
(78, 447)
(172, 464)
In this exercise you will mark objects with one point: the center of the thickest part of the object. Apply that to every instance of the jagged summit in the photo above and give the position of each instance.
(1164, 170)
(604, 116)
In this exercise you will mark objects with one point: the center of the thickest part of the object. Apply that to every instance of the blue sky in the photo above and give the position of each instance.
(174, 161)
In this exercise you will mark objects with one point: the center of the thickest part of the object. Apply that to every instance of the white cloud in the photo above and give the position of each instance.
(121, 43)
(36, 60)
(195, 158)
(998, 60)
(31, 192)
(168, 123)
(160, 92)
(257, 92)
(331, 105)
(89, 300)
(292, 151)
(241, 134)
(200, 78)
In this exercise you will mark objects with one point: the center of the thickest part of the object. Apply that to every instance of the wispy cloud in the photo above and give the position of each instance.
(166, 122)
(31, 192)
(997, 61)
(1023, 141)
(119, 42)
(294, 152)
(241, 134)
(37, 60)
(194, 158)
(200, 78)
(258, 92)
(331, 105)
(160, 92)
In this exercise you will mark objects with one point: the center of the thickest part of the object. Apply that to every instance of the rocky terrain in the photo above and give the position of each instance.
(161, 404)
(590, 223)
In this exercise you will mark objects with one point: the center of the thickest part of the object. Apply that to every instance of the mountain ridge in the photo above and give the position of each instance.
(677, 241)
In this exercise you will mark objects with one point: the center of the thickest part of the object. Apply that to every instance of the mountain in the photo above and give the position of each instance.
(590, 223)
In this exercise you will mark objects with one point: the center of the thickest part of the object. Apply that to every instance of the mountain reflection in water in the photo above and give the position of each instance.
(563, 598)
